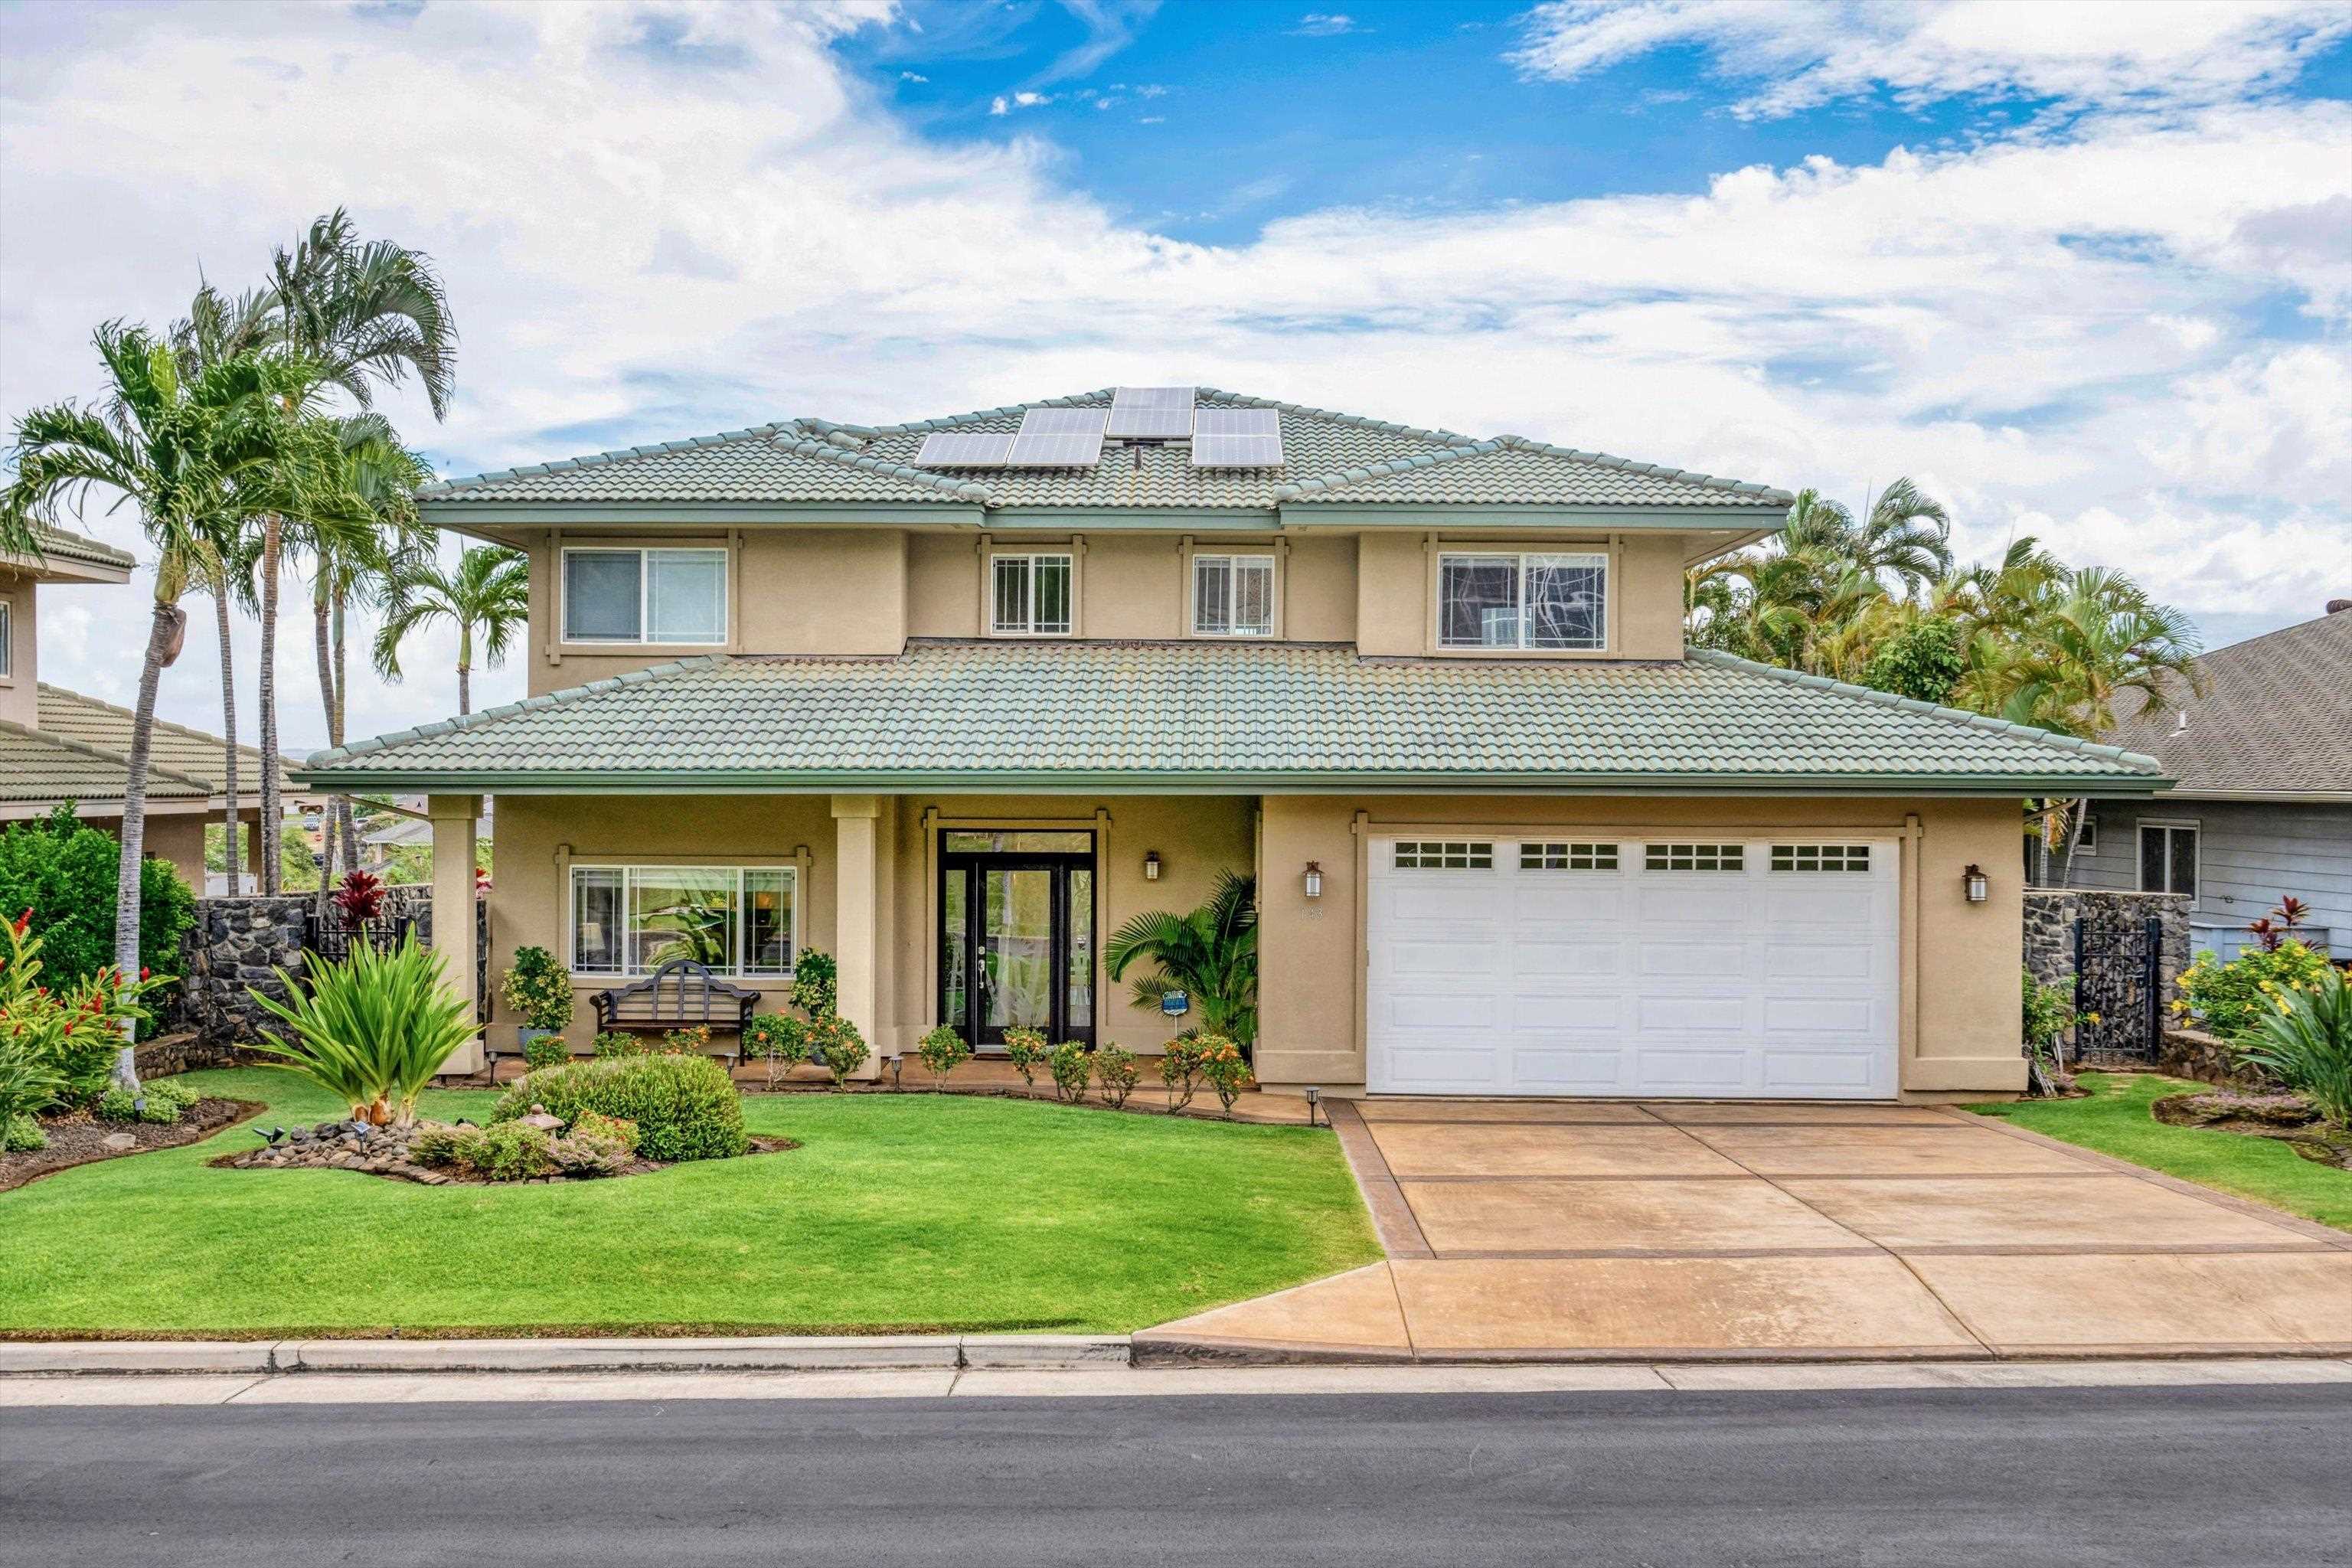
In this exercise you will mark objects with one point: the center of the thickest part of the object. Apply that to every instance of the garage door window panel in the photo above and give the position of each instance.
(1444, 855)
(1808, 858)
(1568, 857)
(1694, 857)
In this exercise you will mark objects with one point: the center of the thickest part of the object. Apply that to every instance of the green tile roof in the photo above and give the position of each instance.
(43, 770)
(58, 544)
(1329, 457)
(1139, 716)
(190, 753)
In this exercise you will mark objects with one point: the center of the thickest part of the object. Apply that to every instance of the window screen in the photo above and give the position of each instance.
(603, 595)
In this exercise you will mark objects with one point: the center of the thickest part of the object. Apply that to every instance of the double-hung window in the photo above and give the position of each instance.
(1030, 594)
(632, 920)
(1549, 601)
(645, 597)
(1232, 596)
(2167, 858)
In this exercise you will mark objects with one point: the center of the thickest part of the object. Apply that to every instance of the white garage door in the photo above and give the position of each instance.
(1702, 965)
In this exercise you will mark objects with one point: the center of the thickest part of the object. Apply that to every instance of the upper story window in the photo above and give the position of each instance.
(1232, 596)
(645, 597)
(1030, 594)
(1548, 602)
(4, 642)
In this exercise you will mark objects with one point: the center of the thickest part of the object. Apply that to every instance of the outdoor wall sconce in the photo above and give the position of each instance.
(1979, 889)
(1315, 879)
(1151, 865)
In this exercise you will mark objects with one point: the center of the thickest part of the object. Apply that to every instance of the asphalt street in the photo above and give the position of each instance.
(2168, 1477)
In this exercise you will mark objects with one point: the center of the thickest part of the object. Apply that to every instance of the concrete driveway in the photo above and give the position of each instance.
(1585, 1230)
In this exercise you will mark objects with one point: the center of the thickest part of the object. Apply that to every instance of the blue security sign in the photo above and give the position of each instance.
(1175, 1004)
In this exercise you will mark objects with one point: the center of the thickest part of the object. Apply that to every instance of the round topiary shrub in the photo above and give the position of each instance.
(685, 1107)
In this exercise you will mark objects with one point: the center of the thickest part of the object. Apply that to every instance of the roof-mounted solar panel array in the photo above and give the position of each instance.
(1059, 438)
(1150, 414)
(1236, 438)
(964, 449)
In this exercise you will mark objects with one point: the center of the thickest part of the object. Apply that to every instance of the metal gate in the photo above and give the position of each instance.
(2118, 988)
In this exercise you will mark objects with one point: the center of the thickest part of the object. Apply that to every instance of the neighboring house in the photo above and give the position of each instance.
(955, 699)
(57, 745)
(402, 824)
(2263, 804)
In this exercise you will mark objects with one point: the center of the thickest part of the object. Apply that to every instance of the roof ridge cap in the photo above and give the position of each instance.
(1320, 484)
(599, 459)
(952, 421)
(1933, 710)
(815, 447)
(482, 716)
(1655, 470)
(1337, 416)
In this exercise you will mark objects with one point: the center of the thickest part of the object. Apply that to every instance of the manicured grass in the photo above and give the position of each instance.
(906, 1213)
(2115, 1119)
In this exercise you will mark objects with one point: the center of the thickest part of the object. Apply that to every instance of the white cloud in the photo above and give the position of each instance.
(2079, 52)
(742, 232)
(1008, 102)
(1326, 24)
(916, 77)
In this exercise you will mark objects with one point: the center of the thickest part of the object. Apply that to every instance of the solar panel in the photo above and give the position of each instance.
(964, 449)
(1059, 438)
(1236, 438)
(1151, 413)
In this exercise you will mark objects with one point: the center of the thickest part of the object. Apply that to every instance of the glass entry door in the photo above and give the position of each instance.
(1016, 935)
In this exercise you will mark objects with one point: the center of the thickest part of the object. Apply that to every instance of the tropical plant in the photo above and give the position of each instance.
(359, 900)
(161, 1103)
(545, 1051)
(2305, 1042)
(487, 597)
(2231, 999)
(371, 1029)
(1027, 1050)
(1071, 1070)
(685, 1107)
(28, 1083)
(62, 871)
(692, 1040)
(835, 1042)
(816, 983)
(538, 988)
(943, 1051)
(2284, 924)
(1224, 1067)
(781, 1042)
(616, 1042)
(1211, 954)
(1118, 1071)
(56, 1041)
(2048, 1012)
(19, 1134)
(1180, 1070)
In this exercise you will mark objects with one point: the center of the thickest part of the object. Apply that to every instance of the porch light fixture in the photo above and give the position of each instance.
(1974, 880)
(1151, 865)
(1315, 879)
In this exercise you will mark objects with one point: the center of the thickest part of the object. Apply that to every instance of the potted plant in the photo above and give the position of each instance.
(536, 988)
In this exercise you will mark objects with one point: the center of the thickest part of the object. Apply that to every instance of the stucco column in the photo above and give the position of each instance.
(856, 879)
(453, 817)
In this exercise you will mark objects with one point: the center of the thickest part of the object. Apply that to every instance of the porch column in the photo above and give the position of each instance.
(857, 941)
(453, 817)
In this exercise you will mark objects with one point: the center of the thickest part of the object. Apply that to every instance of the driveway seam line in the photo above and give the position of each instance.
(1394, 1224)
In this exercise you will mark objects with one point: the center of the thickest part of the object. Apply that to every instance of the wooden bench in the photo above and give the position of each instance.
(681, 994)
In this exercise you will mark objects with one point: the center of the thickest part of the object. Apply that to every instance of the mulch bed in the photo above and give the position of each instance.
(388, 1160)
(82, 1140)
(2282, 1118)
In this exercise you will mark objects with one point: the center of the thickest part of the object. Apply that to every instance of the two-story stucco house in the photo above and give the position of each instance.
(954, 698)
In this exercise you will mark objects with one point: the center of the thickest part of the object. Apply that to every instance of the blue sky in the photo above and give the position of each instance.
(2082, 270)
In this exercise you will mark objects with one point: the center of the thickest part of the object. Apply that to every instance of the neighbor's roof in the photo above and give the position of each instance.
(190, 752)
(58, 544)
(1330, 458)
(1204, 715)
(2276, 718)
(43, 770)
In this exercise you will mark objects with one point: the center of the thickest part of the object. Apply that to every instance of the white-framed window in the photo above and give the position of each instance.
(1695, 857)
(1029, 594)
(1547, 600)
(2086, 837)
(1444, 855)
(632, 920)
(6, 668)
(1820, 857)
(1232, 596)
(658, 595)
(2167, 857)
(1568, 857)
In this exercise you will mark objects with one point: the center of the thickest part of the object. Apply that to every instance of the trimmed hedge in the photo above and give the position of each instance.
(685, 1107)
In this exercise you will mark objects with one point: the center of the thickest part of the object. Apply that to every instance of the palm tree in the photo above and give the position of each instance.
(487, 598)
(196, 459)
(358, 313)
(1902, 533)
(1211, 953)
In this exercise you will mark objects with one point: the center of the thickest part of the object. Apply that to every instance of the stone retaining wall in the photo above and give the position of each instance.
(237, 943)
(2192, 1053)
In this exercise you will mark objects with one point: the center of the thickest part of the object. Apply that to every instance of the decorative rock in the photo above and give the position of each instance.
(119, 1141)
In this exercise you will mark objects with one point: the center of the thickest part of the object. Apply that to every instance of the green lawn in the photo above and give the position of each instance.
(910, 1213)
(2115, 1119)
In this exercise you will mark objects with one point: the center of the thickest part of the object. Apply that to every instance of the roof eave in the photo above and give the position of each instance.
(2187, 790)
(1734, 519)
(468, 517)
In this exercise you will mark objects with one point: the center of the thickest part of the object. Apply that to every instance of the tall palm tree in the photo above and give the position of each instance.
(487, 598)
(195, 458)
(1902, 533)
(358, 313)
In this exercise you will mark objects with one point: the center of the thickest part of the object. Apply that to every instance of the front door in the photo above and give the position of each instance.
(1017, 934)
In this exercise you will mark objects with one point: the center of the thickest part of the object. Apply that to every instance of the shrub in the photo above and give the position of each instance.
(1070, 1067)
(2048, 1012)
(943, 1050)
(600, 1129)
(58, 1043)
(1118, 1072)
(1028, 1049)
(616, 1042)
(685, 1107)
(778, 1037)
(166, 1102)
(536, 988)
(373, 1029)
(1224, 1067)
(359, 898)
(2306, 1043)
(816, 983)
(508, 1151)
(837, 1044)
(20, 1134)
(2231, 999)
(28, 1084)
(545, 1051)
(61, 871)
(1180, 1070)
(437, 1145)
(692, 1040)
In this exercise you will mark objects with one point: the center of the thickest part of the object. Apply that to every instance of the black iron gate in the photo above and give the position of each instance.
(2118, 988)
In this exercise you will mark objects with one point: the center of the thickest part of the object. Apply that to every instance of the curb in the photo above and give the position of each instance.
(1018, 1352)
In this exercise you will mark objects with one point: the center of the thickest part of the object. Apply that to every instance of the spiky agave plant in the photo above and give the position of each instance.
(372, 1029)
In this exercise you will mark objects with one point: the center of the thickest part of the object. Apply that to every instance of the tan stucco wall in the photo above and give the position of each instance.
(823, 590)
(1960, 961)
(943, 586)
